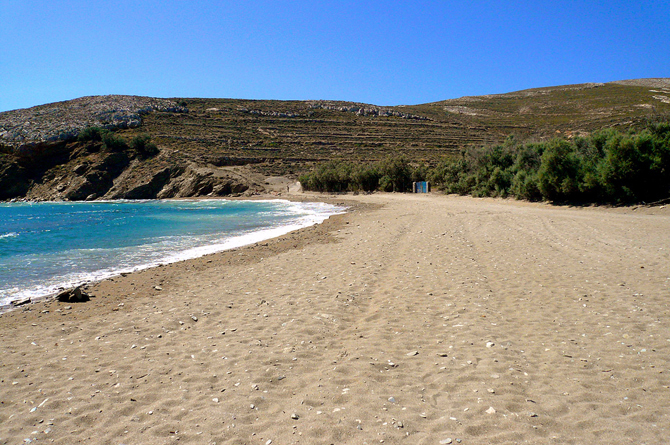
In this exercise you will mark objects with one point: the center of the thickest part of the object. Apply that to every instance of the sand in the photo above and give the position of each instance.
(416, 319)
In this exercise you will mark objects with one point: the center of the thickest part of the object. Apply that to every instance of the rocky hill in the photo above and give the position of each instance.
(228, 146)
(62, 121)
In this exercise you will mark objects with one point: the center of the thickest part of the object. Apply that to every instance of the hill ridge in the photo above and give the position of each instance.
(41, 159)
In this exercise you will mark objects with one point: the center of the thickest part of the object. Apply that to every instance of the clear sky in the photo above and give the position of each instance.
(382, 52)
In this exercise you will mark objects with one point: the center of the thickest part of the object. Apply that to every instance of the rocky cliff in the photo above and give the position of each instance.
(41, 157)
(86, 171)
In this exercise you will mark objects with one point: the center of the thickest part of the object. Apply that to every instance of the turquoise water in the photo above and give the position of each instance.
(45, 246)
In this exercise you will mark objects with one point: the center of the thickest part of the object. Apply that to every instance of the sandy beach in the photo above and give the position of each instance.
(415, 319)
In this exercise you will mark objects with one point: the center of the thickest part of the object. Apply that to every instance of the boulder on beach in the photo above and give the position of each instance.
(75, 295)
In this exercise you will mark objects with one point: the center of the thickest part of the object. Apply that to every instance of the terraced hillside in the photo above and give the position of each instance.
(302, 132)
(567, 110)
(289, 137)
(299, 132)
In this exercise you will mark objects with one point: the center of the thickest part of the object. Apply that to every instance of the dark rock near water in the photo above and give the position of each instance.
(13, 180)
(21, 302)
(151, 187)
(75, 295)
(203, 181)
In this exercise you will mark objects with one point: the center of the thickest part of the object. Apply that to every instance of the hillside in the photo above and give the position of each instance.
(223, 146)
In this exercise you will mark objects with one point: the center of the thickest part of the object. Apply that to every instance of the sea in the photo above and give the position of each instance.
(48, 246)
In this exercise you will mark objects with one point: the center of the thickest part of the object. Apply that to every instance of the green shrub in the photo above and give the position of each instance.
(420, 173)
(113, 142)
(635, 167)
(93, 134)
(391, 174)
(365, 178)
(524, 186)
(452, 175)
(333, 176)
(559, 173)
(499, 182)
(528, 157)
(396, 175)
(143, 145)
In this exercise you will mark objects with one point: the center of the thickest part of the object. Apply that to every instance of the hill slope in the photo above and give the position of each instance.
(204, 142)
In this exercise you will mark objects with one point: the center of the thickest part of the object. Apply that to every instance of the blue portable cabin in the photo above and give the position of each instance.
(421, 187)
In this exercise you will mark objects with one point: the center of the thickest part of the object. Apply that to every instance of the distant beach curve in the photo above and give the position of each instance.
(46, 246)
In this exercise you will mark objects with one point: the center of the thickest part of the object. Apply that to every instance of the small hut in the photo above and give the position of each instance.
(421, 187)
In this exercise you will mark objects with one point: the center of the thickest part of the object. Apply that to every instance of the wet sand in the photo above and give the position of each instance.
(417, 319)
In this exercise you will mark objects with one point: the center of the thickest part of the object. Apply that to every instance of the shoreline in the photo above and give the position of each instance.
(232, 243)
(409, 319)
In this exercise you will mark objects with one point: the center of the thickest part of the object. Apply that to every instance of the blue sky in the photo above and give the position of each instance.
(380, 52)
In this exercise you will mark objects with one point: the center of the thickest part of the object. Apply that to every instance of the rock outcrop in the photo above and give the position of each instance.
(365, 110)
(205, 181)
(91, 172)
(13, 180)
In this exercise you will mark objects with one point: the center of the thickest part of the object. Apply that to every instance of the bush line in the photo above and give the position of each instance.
(605, 167)
(110, 141)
